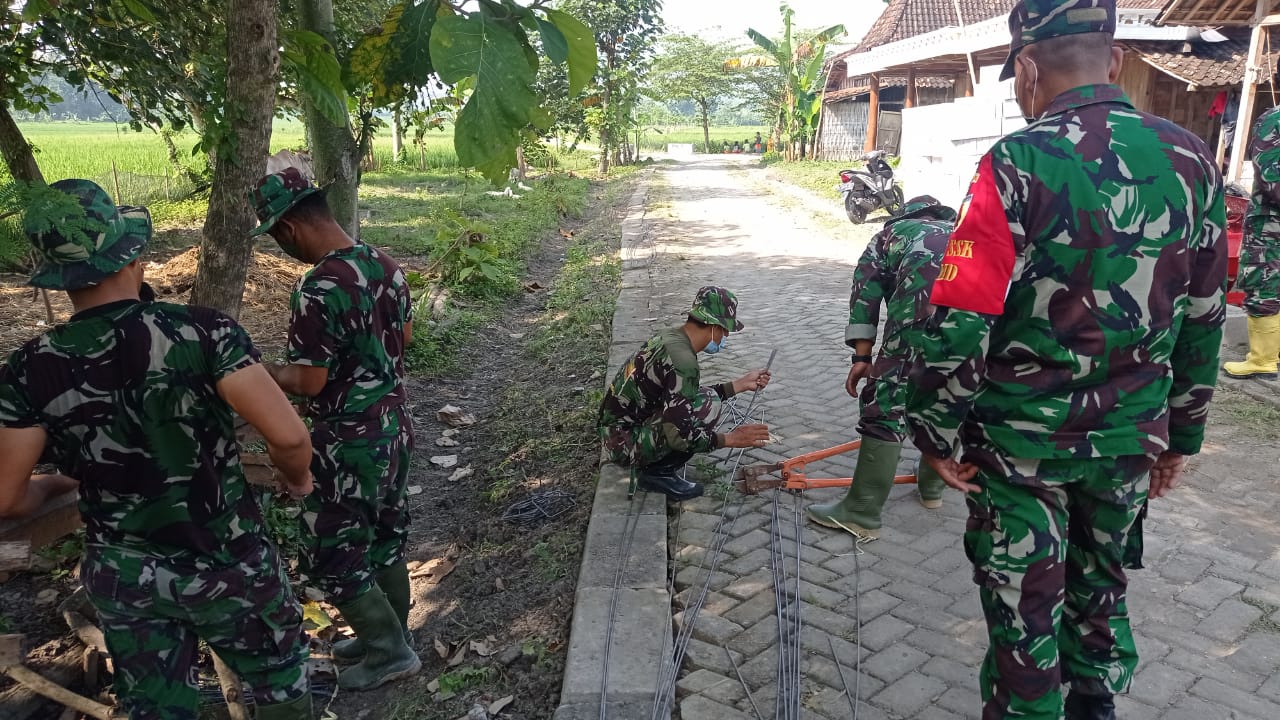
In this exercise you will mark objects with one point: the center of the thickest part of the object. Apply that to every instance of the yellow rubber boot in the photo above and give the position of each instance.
(1264, 346)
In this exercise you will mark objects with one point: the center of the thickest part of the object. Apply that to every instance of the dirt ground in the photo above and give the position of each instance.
(491, 599)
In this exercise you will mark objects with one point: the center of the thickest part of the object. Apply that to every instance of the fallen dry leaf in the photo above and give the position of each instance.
(442, 650)
(433, 571)
(458, 657)
(454, 416)
(532, 287)
(446, 441)
(567, 234)
(498, 706)
(434, 685)
(484, 648)
(444, 461)
(413, 490)
(501, 586)
(461, 474)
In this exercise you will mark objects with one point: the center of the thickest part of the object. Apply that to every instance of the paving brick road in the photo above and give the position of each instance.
(1206, 610)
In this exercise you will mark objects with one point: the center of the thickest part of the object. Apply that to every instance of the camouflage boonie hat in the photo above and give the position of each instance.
(1034, 20)
(276, 194)
(115, 236)
(923, 206)
(716, 306)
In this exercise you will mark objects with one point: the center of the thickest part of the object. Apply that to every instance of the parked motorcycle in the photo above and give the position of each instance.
(865, 191)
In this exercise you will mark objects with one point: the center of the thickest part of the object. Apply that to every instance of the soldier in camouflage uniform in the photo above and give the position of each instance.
(897, 268)
(134, 399)
(1072, 358)
(351, 321)
(656, 414)
(1259, 276)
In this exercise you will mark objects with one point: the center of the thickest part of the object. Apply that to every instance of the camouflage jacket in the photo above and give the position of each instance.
(1082, 295)
(348, 315)
(126, 392)
(897, 269)
(640, 392)
(1261, 244)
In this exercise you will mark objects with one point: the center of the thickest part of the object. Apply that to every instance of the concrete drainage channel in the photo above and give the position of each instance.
(620, 637)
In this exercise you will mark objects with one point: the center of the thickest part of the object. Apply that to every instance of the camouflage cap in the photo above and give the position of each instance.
(276, 194)
(1034, 20)
(923, 206)
(106, 238)
(716, 306)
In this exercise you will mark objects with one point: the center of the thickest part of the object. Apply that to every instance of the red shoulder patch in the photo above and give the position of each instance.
(978, 265)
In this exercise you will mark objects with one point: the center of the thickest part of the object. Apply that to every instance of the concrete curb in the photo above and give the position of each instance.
(642, 615)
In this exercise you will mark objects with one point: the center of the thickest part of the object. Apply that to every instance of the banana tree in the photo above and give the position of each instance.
(798, 64)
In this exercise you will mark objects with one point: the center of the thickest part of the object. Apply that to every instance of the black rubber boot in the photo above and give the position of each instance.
(1080, 706)
(663, 476)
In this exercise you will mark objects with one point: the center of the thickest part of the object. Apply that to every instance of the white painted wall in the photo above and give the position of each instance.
(942, 144)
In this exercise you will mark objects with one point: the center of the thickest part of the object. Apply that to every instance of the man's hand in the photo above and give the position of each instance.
(754, 380)
(1166, 473)
(953, 473)
(297, 489)
(747, 436)
(856, 374)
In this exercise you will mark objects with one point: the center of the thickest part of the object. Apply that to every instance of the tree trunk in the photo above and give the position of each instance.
(334, 151)
(706, 126)
(17, 152)
(604, 131)
(397, 136)
(252, 68)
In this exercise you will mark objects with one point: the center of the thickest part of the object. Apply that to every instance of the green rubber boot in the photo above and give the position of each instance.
(387, 657)
(930, 485)
(859, 511)
(299, 709)
(394, 582)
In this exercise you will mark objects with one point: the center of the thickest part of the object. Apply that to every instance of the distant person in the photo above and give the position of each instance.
(737, 146)
(1259, 276)
(657, 415)
(136, 400)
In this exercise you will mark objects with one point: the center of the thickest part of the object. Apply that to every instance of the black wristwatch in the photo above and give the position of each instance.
(860, 359)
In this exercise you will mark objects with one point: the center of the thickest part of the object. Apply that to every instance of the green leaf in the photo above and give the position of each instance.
(411, 60)
(320, 77)
(375, 53)
(553, 42)
(315, 616)
(485, 134)
(140, 11)
(582, 49)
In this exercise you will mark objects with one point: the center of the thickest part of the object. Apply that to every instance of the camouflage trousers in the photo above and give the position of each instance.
(1048, 541)
(665, 432)
(1259, 274)
(355, 522)
(882, 406)
(154, 612)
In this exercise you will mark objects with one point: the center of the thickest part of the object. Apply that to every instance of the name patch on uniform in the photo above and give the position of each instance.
(978, 264)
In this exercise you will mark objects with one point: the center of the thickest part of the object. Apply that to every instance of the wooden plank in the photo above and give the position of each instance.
(10, 651)
(58, 517)
(15, 555)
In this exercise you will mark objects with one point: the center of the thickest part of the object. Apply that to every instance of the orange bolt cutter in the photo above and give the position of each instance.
(753, 479)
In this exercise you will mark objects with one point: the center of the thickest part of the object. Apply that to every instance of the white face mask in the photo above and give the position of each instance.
(1035, 88)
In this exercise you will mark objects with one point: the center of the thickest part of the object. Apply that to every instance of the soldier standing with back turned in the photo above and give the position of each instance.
(1072, 358)
(897, 269)
(1259, 276)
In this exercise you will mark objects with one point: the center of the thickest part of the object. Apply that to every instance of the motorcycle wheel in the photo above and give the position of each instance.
(898, 201)
(853, 209)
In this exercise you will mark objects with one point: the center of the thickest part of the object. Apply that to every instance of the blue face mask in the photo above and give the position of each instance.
(714, 347)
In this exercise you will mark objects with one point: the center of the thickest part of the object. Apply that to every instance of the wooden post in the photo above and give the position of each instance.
(1248, 98)
(15, 555)
(115, 176)
(873, 116)
(909, 100)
